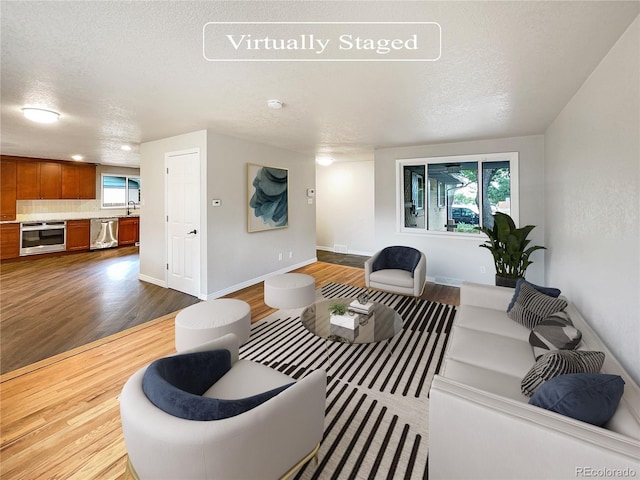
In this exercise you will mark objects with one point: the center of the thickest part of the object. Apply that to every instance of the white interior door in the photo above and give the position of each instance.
(183, 222)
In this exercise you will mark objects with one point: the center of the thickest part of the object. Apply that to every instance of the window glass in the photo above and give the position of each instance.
(414, 216)
(455, 194)
(119, 190)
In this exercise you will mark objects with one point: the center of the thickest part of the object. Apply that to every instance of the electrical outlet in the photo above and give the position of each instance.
(290, 254)
(280, 256)
(483, 270)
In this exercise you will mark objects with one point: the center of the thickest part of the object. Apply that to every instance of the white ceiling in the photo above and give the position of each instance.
(131, 72)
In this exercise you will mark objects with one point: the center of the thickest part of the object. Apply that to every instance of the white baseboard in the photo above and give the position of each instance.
(452, 282)
(349, 252)
(253, 281)
(155, 281)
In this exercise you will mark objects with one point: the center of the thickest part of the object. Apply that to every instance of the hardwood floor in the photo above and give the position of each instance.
(341, 258)
(60, 416)
(51, 305)
(54, 304)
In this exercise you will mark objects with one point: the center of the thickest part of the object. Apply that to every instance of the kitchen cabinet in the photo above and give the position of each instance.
(9, 240)
(128, 230)
(7, 189)
(38, 179)
(78, 234)
(78, 181)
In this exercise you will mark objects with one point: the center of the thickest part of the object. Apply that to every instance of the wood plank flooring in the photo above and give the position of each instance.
(53, 304)
(60, 416)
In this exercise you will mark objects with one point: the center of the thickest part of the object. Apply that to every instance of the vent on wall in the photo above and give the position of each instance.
(340, 248)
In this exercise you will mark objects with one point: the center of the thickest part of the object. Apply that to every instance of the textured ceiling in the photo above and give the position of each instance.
(131, 72)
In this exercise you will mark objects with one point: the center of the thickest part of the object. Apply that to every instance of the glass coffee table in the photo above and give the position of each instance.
(381, 324)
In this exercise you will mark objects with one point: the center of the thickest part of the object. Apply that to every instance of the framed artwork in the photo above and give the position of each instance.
(268, 191)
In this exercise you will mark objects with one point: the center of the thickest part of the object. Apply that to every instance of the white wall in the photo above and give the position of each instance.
(231, 258)
(460, 257)
(592, 187)
(345, 207)
(153, 242)
(238, 258)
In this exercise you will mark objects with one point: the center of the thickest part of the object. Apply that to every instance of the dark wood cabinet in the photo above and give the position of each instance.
(50, 180)
(128, 230)
(78, 181)
(38, 179)
(28, 180)
(7, 189)
(9, 240)
(78, 234)
(69, 179)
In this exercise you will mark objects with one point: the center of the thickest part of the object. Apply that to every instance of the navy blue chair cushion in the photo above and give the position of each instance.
(176, 384)
(591, 398)
(397, 257)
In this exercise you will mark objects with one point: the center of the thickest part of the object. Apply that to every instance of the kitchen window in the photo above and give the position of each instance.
(454, 195)
(119, 191)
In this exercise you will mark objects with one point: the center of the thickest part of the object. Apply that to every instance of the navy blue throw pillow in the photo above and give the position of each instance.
(552, 292)
(591, 398)
(398, 257)
(176, 384)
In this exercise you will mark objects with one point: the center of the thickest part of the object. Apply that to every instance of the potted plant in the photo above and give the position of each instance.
(510, 248)
(337, 308)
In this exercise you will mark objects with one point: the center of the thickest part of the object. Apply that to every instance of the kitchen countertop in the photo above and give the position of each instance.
(58, 217)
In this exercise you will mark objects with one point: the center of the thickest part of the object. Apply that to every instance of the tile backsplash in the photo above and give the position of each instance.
(27, 207)
(27, 210)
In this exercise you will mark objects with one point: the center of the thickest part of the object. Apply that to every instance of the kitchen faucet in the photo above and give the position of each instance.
(130, 202)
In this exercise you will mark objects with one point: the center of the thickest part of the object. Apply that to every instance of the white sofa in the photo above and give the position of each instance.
(481, 425)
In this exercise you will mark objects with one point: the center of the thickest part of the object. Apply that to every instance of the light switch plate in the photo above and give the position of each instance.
(216, 203)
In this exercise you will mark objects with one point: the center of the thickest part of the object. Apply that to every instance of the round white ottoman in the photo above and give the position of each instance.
(290, 290)
(212, 319)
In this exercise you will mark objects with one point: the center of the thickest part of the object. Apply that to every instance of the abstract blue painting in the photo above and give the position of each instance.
(268, 189)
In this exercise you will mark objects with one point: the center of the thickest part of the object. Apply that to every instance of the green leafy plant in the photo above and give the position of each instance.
(336, 308)
(509, 246)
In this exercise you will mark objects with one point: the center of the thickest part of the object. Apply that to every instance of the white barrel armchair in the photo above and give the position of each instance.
(269, 441)
(397, 269)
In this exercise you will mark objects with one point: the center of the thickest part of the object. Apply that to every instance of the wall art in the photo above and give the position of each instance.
(268, 191)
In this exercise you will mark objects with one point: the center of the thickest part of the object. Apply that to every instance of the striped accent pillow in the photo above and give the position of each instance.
(555, 332)
(560, 362)
(531, 306)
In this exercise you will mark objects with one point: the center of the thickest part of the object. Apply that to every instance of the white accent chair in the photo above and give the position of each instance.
(272, 440)
(397, 269)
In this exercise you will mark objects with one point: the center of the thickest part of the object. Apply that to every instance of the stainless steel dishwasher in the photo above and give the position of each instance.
(104, 233)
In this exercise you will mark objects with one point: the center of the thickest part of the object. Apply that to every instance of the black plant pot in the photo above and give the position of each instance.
(506, 282)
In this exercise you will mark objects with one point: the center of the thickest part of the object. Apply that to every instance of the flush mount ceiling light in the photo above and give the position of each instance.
(40, 115)
(77, 158)
(275, 104)
(324, 161)
(126, 148)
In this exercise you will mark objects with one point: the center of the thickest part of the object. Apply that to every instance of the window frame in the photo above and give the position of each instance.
(126, 182)
(511, 157)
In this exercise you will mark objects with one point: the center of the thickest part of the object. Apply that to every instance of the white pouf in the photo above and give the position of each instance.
(212, 319)
(290, 290)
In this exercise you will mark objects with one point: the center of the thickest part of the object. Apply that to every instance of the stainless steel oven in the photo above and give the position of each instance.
(42, 237)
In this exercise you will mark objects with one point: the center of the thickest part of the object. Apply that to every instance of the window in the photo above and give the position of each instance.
(119, 190)
(459, 194)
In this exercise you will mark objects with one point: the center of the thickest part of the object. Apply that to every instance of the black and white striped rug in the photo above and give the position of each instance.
(376, 417)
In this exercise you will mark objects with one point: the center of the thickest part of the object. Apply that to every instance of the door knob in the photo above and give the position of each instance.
(192, 231)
